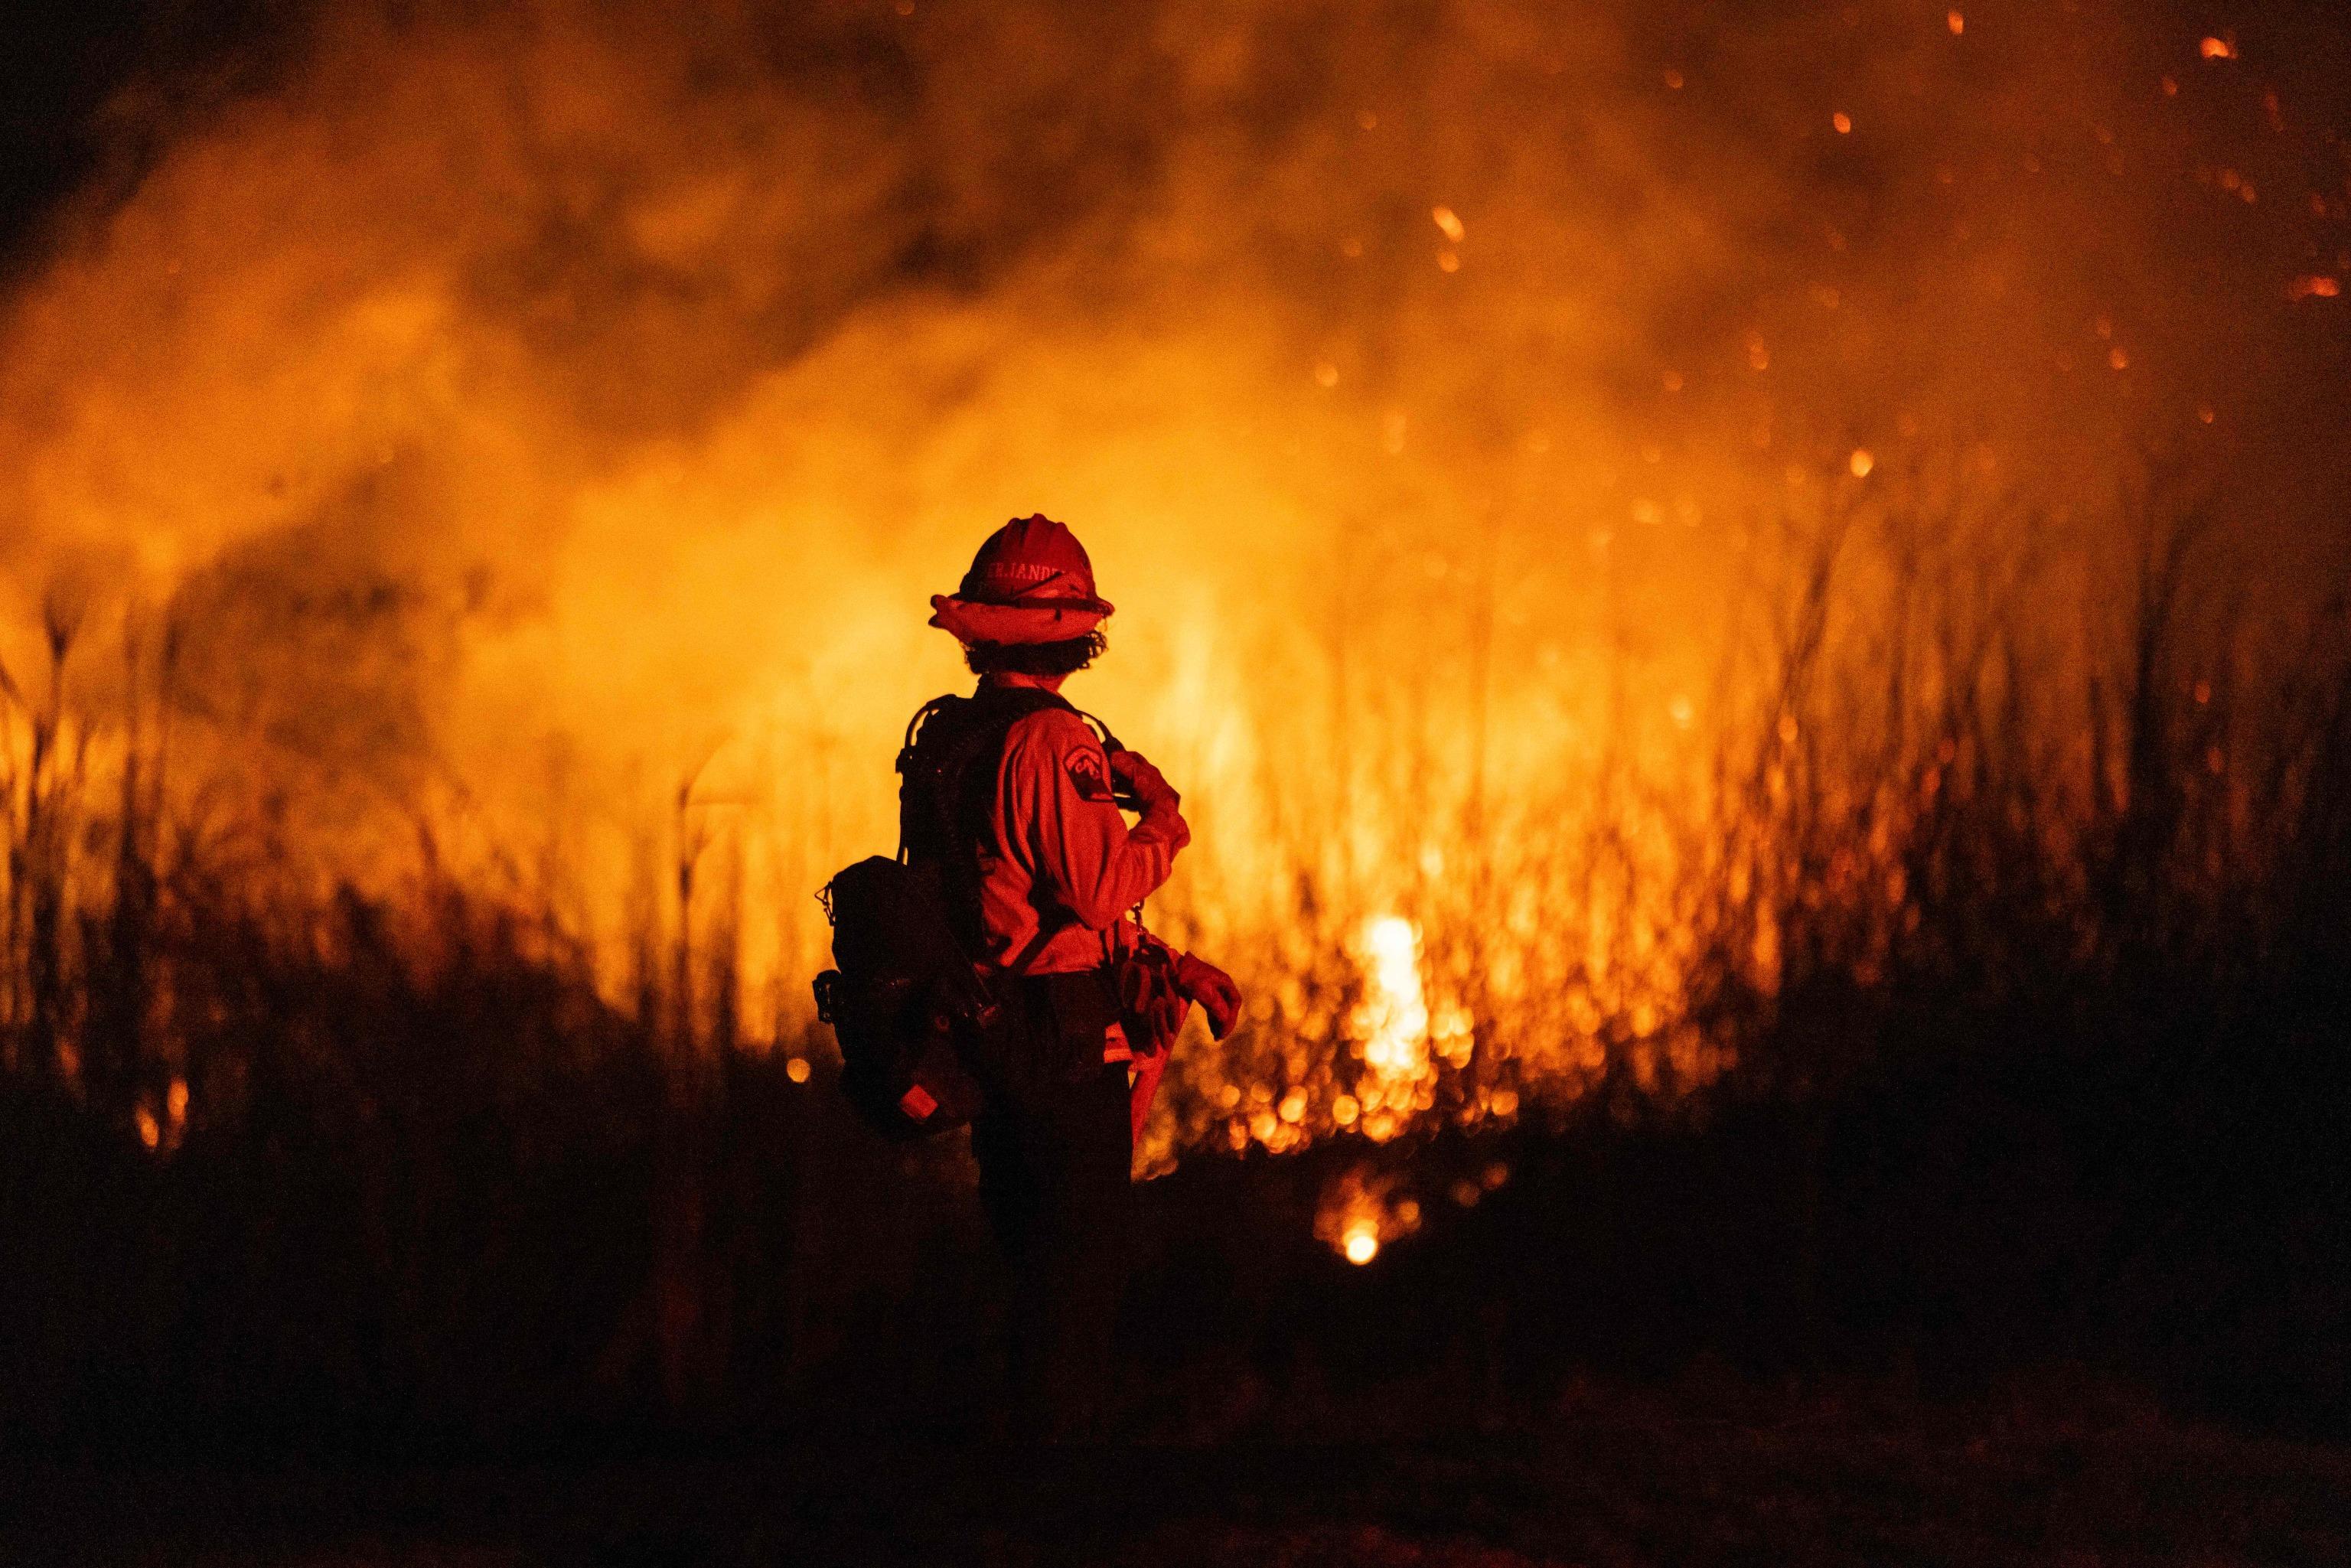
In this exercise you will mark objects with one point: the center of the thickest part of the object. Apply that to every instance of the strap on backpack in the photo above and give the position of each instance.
(942, 810)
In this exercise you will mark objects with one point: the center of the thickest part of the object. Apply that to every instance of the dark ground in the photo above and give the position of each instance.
(1704, 1473)
(1639, 1348)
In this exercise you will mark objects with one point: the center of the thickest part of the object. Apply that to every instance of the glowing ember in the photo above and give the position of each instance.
(1861, 463)
(1361, 1212)
(1956, 22)
(1842, 121)
(797, 1070)
(2314, 286)
(2219, 49)
(1449, 223)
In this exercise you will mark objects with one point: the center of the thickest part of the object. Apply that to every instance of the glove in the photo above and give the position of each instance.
(1204, 983)
(1132, 775)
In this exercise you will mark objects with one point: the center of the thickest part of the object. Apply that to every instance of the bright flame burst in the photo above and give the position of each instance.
(1392, 1018)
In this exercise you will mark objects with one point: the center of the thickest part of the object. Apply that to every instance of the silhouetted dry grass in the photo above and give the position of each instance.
(2010, 1032)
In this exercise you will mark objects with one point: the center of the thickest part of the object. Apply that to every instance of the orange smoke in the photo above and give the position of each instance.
(530, 443)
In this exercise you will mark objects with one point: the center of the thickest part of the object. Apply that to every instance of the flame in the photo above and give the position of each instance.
(534, 446)
(1390, 1027)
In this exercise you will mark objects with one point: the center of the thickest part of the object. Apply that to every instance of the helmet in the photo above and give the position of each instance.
(1030, 582)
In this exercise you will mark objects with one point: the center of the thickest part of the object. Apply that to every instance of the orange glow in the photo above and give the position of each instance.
(537, 449)
(2219, 49)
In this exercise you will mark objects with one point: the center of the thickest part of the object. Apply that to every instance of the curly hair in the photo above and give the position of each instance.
(1063, 658)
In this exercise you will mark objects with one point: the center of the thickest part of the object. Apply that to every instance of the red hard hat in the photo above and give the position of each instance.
(1030, 582)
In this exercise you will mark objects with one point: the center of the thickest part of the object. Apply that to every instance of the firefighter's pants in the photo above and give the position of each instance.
(1054, 1150)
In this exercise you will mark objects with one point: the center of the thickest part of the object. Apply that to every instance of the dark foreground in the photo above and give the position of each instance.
(1696, 1475)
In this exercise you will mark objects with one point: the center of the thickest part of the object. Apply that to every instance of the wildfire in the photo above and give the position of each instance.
(535, 449)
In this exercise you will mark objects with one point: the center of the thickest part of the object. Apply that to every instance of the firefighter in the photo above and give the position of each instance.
(1043, 866)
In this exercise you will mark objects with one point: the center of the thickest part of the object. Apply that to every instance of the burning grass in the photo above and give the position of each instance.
(404, 1162)
(1643, 659)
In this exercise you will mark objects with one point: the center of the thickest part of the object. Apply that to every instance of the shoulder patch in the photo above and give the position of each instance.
(1088, 773)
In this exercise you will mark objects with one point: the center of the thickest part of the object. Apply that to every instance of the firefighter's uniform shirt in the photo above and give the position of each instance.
(1058, 855)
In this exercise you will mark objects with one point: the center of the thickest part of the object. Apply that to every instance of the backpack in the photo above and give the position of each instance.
(908, 996)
